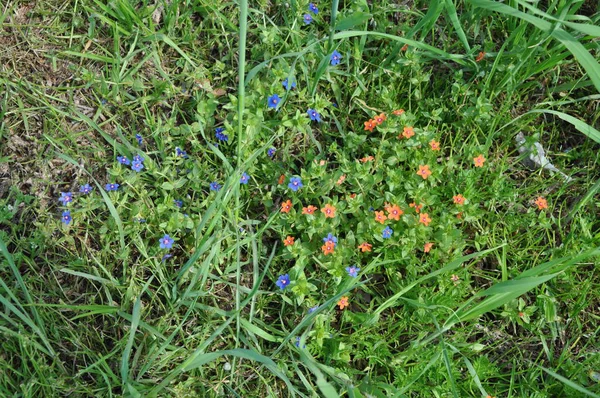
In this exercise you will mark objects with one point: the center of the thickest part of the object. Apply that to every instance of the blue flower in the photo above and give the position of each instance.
(313, 8)
(283, 281)
(165, 257)
(313, 115)
(295, 184)
(123, 160)
(289, 85)
(166, 242)
(336, 57)
(298, 343)
(308, 19)
(313, 309)
(387, 232)
(214, 186)
(112, 187)
(220, 135)
(352, 271)
(274, 101)
(85, 189)
(178, 203)
(271, 152)
(66, 217)
(139, 139)
(65, 198)
(137, 166)
(330, 238)
(138, 158)
(181, 153)
(244, 179)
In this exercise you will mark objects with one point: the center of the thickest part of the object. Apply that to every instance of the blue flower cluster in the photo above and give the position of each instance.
(66, 198)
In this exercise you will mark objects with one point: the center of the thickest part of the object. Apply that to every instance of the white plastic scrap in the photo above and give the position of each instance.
(536, 156)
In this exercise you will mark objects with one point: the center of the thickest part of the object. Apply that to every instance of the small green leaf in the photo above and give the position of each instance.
(350, 21)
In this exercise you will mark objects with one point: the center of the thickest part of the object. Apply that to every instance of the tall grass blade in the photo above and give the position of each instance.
(580, 125)
(587, 61)
(569, 383)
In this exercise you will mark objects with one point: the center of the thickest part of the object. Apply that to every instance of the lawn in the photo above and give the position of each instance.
(272, 199)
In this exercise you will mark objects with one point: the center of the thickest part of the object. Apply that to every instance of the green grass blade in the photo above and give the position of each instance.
(587, 61)
(451, 266)
(451, 10)
(569, 383)
(580, 125)
(135, 322)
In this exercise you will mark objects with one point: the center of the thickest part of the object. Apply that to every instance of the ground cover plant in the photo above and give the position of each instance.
(299, 199)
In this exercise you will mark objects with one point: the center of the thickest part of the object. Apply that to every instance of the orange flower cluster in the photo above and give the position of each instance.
(394, 212)
(343, 303)
(458, 199)
(310, 209)
(541, 203)
(365, 247)
(408, 132)
(380, 217)
(329, 211)
(479, 160)
(288, 241)
(376, 121)
(416, 207)
(286, 206)
(424, 171)
(328, 247)
(424, 219)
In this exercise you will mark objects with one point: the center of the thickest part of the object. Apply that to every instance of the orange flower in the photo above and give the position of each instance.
(328, 247)
(416, 206)
(394, 212)
(424, 171)
(370, 125)
(398, 112)
(365, 247)
(459, 215)
(329, 211)
(424, 219)
(435, 146)
(343, 303)
(379, 119)
(404, 47)
(341, 179)
(458, 199)
(480, 56)
(310, 209)
(281, 179)
(352, 195)
(286, 206)
(288, 241)
(479, 161)
(367, 159)
(380, 217)
(408, 132)
(454, 278)
(427, 247)
(541, 203)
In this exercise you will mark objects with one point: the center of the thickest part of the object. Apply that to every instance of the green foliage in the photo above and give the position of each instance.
(421, 259)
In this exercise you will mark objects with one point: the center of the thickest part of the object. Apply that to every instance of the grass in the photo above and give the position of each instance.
(504, 303)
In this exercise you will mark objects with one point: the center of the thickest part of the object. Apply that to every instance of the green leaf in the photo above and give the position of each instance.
(352, 20)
